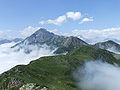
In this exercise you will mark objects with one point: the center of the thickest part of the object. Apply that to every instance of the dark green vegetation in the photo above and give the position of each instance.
(54, 72)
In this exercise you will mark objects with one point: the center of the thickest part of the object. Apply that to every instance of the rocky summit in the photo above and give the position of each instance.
(109, 45)
(43, 37)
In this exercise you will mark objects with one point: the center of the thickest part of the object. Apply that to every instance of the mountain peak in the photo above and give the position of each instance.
(42, 36)
(109, 45)
(108, 42)
(74, 41)
(43, 31)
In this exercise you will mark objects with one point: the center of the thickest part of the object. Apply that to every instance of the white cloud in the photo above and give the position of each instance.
(73, 15)
(61, 19)
(98, 76)
(9, 34)
(57, 32)
(5, 34)
(84, 20)
(57, 21)
(93, 36)
(29, 30)
(10, 58)
(42, 22)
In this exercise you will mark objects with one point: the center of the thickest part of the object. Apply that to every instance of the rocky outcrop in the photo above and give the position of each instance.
(109, 45)
(32, 86)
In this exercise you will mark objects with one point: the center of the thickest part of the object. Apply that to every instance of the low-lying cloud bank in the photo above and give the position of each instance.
(9, 58)
(94, 36)
(97, 75)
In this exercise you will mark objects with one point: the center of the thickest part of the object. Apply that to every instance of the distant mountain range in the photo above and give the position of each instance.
(42, 36)
(62, 44)
(3, 41)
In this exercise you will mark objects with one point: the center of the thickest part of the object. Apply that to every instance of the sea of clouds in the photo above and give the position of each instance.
(10, 58)
(96, 75)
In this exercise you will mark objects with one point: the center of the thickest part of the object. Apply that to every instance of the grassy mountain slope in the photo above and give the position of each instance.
(53, 72)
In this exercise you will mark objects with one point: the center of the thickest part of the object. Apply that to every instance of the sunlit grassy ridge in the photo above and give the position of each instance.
(54, 72)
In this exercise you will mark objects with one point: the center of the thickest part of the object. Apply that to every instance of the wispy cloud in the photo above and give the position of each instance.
(74, 15)
(28, 31)
(85, 20)
(58, 21)
(9, 34)
(94, 36)
(61, 19)
(96, 75)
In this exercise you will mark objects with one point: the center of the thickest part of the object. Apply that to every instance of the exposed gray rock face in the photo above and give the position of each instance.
(73, 41)
(109, 45)
(42, 36)
(32, 86)
(14, 83)
(10, 82)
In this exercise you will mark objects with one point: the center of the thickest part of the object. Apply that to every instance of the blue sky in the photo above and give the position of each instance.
(16, 15)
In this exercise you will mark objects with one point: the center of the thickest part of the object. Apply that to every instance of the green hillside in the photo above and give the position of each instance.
(53, 72)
